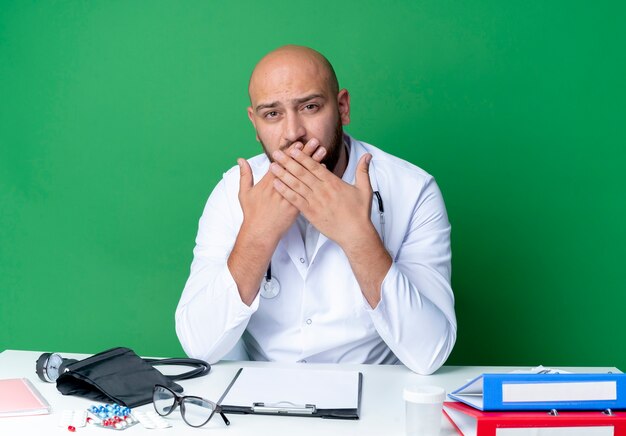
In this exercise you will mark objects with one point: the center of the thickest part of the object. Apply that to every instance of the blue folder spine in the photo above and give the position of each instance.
(492, 392)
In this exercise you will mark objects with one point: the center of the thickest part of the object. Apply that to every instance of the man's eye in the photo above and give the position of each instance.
(271, 114)
(311, 107)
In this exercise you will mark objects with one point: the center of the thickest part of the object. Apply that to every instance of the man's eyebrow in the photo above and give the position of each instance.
(297, 101)
(266, 106)
(307, 98)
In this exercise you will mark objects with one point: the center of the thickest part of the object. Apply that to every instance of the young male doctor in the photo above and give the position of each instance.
(324, 248)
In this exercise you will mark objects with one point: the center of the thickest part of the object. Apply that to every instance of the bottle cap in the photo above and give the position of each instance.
(424, 394)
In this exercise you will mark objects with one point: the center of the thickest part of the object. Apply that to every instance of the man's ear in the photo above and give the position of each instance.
(343, 103)
(251, 118)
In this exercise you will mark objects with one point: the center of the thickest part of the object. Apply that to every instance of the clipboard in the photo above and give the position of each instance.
(294, 392)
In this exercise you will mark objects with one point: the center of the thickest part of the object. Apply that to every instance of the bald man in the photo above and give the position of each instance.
(324, 248)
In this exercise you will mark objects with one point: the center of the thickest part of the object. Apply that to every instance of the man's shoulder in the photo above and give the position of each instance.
(258, 164)
(394, 166)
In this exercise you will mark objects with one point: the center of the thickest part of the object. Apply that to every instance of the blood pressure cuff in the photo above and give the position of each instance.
(120, 376)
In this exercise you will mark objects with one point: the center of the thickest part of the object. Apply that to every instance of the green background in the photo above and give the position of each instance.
(117, 118)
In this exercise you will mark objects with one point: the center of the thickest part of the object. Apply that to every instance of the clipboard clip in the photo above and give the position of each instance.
(284, 407)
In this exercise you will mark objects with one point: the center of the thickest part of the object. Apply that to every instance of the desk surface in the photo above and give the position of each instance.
(382, 406)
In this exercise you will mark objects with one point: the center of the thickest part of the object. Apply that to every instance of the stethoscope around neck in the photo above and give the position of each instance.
(270, 287)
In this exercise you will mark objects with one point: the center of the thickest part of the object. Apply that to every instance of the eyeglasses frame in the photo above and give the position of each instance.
(178, 401)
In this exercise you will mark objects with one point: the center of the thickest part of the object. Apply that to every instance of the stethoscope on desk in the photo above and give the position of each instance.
(271, 286)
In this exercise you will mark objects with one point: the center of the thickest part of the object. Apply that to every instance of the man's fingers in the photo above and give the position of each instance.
(292, 197)
(311, 163)
(296, 169)
(299, 145)
(289, 179)
(245, 176)
(312, 148)
(362, 177)
(319, 154)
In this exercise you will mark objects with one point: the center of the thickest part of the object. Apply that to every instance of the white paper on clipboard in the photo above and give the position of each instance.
(324, 389)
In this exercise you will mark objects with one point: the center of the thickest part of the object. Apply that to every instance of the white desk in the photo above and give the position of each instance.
(382, 406)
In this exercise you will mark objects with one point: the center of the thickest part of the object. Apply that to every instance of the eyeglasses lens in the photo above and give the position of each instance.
(197, 411)
(164, 401)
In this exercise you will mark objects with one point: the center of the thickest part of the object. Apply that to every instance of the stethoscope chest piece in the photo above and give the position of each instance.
(270, 287)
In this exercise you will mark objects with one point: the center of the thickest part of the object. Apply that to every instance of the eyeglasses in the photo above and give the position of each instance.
(195, 411)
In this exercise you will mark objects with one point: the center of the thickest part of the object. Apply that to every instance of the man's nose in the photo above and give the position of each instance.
(294, 129)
